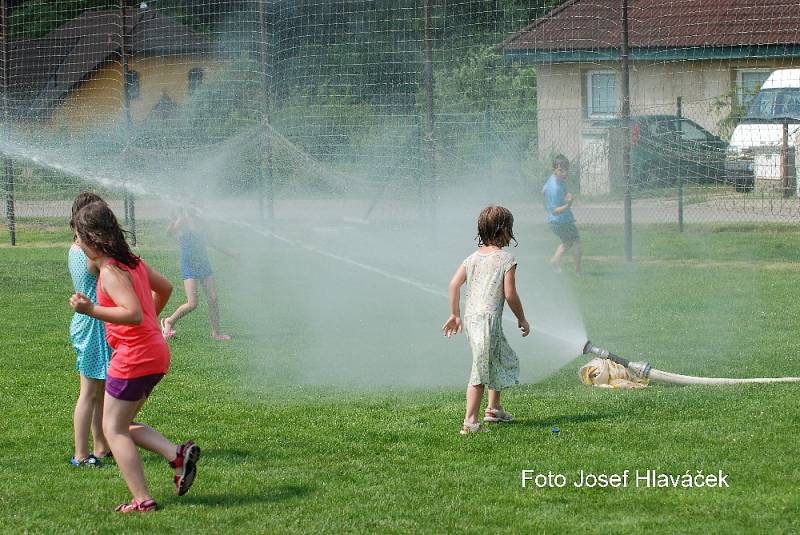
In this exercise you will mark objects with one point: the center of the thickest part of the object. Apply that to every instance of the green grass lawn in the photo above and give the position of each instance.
(278, 457)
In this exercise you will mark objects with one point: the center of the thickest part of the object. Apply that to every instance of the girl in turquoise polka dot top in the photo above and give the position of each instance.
(88, 337)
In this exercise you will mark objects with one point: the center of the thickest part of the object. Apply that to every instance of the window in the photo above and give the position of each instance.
(132, 84)
(195, 79)
(748, 82)
(601, 94)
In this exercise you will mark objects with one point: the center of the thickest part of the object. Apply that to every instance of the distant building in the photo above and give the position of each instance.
(699, 50)
(73, 75)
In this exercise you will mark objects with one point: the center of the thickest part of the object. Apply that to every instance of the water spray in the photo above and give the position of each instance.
(644, 371)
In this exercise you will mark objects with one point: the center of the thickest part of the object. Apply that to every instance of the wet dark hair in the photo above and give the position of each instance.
(496, 227)
(561, 161)
(83, 198)
(97, 226)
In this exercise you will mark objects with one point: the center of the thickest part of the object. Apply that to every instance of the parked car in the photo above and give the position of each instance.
(666, 149)
(754, 151)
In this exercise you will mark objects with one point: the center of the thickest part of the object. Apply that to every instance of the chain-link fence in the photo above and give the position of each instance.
(273, 100)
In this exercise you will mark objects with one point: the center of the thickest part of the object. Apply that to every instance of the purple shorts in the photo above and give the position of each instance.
(132, 389)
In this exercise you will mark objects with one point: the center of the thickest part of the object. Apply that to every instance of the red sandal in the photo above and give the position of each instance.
(147, 506)
(188, 453)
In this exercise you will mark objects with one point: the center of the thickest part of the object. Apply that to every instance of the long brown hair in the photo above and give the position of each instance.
(97, 226)
(496, 226)
(83, 198)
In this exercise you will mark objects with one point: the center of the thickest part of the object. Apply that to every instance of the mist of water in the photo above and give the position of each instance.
(365, 305)
(344, 288)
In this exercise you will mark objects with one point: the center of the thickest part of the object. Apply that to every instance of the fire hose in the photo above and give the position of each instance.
(612, 371)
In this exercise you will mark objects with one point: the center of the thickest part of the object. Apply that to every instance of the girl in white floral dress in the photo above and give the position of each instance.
(489, 273)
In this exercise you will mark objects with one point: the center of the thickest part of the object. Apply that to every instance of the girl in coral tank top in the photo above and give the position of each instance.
(130, 295)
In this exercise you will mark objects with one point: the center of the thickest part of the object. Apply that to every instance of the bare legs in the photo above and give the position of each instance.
(117, 419)
(213, 309)
(89, 413)
(125, 435)
(578, 257)
(563, 248)
(556, 260)
(474, 398)
(494, 400)
(190, 287)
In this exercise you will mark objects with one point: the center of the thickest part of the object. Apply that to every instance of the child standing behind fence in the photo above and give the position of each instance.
(490, 276)
(88, 337)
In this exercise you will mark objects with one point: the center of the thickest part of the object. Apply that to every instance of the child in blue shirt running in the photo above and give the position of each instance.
(559, 213)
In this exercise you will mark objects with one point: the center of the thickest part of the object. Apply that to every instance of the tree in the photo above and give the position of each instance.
(34, 18)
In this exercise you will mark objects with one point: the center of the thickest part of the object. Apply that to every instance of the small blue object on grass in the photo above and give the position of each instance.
(555, 430)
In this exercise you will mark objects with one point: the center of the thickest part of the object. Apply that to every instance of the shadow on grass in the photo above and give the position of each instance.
(267, 495)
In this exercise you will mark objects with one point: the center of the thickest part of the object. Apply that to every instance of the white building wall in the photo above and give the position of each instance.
(654, 90)
(561, 90)
(560, 114)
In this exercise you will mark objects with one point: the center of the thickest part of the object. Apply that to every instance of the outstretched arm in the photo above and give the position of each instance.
(453, 324)
(225, 250)
(513, 300)
(213, 242)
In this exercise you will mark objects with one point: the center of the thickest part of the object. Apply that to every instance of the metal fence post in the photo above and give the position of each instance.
(626, 132)
(265, 165)
(679, 113)
(130, 203)
(8, 164)
(430, 143)
(785, 158)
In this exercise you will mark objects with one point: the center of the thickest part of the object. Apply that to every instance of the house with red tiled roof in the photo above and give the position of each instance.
(703, 51)
(73, 76)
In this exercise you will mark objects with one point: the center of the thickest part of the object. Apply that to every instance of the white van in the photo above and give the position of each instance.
(755, 146)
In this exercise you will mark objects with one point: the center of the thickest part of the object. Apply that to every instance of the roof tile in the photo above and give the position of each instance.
(41, 71)
(593, 24)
